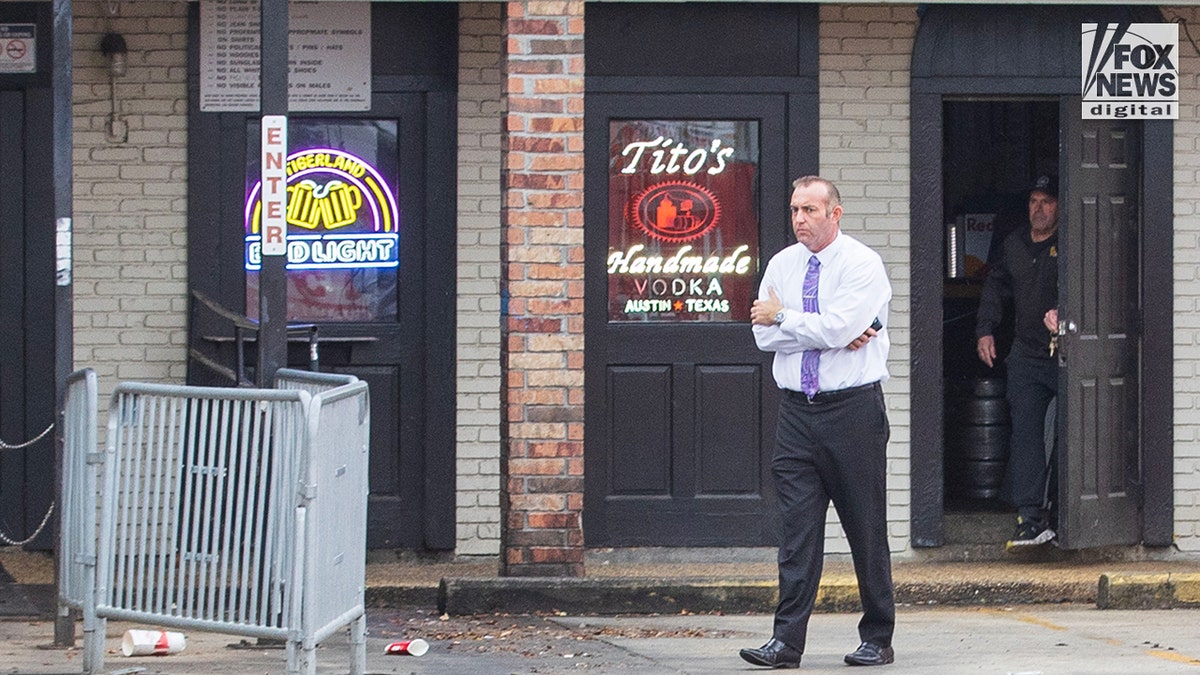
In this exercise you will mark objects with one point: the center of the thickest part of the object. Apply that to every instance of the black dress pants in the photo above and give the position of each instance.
(1032, 385)
(833, 449)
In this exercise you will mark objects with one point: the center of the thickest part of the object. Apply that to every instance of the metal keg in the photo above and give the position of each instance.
(977, 436)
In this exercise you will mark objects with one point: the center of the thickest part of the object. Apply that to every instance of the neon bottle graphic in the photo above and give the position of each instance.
(664, 216)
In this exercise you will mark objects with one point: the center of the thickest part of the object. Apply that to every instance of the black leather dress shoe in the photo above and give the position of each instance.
(868, 654)
(774, 654)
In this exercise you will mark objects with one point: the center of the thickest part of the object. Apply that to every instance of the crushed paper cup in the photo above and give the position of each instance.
(151, 643)
(414, 647)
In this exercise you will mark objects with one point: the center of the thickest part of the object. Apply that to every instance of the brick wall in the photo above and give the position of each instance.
(865, 55)
(542, 258)
(478, 337)
(1187, 287)
(130, 236)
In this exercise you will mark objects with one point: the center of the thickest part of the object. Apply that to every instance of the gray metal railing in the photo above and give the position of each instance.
(245, 331)
(239, 511)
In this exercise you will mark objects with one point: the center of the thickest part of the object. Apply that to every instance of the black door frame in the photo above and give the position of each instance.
(678, 519)
(35, 204)
(932, 81)
(626, 66)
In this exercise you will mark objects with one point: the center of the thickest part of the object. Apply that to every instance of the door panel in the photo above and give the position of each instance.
(27, 328)
(12, 311)
(679, 445)
(1100, 484)
(728, 401)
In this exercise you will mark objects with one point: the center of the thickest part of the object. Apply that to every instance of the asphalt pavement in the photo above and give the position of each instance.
(651, 611)
(1009, 640)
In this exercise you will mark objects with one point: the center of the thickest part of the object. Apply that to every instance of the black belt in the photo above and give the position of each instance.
(831, 396)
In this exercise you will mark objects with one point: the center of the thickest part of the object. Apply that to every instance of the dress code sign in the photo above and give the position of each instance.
(1130, 70)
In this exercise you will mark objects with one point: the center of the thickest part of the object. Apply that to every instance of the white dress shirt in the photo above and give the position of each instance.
(853, 290)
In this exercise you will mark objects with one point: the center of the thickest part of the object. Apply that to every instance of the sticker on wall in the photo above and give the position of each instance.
(18, 48)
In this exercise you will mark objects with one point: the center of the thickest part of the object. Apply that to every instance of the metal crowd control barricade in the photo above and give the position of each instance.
(312, 382)
(237, 511)
(76, 556)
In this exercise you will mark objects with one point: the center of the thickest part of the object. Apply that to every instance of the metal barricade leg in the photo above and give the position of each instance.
(293, 657)
(94, 629)
(358, 646)
(308, 658)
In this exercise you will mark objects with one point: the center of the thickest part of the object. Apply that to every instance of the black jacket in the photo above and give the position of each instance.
(1027, 272)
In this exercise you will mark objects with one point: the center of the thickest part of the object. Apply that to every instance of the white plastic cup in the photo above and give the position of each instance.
(151, 643)
(414, 647)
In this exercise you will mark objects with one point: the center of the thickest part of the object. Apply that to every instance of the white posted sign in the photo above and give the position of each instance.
(274, 185)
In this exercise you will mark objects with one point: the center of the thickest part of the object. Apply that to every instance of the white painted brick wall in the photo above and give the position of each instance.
(865, 52)
(130, 238)
(478, 308)
(1187, 288)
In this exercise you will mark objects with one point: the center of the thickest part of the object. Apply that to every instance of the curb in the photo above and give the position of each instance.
(603, 596)
(673, 596)
(1148, 591)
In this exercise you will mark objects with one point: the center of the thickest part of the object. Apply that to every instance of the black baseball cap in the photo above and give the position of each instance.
(1045, 183)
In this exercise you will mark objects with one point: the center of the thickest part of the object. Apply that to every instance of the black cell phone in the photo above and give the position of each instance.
(877, 324)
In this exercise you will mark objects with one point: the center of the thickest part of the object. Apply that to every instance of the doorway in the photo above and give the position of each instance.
(1030, 60)
(371, 257)
(992, 150)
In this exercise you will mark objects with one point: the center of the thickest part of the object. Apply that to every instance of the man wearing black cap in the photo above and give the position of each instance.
(1027, 272)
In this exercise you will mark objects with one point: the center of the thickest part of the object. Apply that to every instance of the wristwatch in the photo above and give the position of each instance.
(779, 317)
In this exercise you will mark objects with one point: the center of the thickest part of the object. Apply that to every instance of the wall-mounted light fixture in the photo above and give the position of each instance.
(114, 49)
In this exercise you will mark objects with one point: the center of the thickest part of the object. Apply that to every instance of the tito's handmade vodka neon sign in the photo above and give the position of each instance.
(670, 157)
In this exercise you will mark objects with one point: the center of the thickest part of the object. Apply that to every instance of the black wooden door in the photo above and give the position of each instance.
(680, 404)
(1100, 311)
(392, 327)
(26, 327)
(384, 306)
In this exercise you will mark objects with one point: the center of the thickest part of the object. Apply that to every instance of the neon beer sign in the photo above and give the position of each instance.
(683, 220)
(341, 214)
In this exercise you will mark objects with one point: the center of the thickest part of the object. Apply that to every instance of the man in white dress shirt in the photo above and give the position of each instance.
(822, 307)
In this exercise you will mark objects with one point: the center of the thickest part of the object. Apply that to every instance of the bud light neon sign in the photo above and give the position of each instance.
(341, 214)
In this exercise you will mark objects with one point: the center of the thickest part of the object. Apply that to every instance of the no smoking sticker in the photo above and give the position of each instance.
(18, 42)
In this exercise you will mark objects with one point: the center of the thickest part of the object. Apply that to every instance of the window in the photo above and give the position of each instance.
(343, 220)
(683, 220)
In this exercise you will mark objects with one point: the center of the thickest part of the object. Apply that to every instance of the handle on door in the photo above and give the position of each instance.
(1065, 327)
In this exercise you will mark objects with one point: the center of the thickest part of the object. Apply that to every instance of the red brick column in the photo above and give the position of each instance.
(542, 275)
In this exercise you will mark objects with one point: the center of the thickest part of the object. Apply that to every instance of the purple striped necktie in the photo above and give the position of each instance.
(810, 360)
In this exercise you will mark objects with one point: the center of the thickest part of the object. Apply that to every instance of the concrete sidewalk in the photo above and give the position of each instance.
(670, 581)
(689, 611)
(1025, 639)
